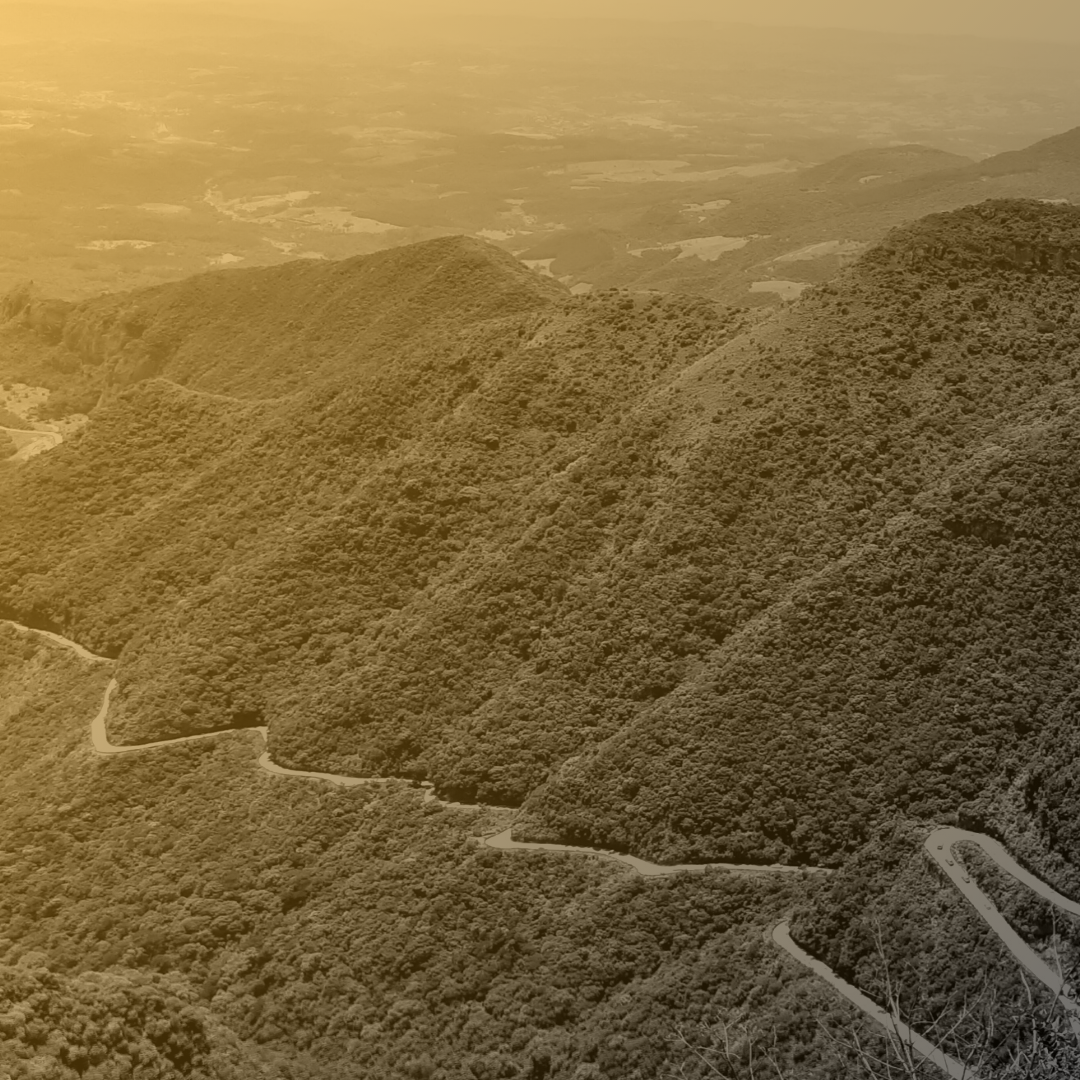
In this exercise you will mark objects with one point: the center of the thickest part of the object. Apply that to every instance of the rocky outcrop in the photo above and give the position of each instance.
(113, 335)
(44, 316)
(118, 338)
(1001, 254)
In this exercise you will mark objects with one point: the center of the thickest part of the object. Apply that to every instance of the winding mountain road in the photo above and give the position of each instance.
(503, 842)
(99, 738)
(893, 1025)
(30, 442)
(938, 845)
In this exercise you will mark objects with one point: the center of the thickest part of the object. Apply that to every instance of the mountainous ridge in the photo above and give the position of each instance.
(1063, 148)
(888, 163)
(330, 422)
(673, 579)
(554, 561)
(261, 332)
(857, 198)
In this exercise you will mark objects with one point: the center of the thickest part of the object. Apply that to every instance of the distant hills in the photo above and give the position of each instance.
(681, 579)
(842, 204)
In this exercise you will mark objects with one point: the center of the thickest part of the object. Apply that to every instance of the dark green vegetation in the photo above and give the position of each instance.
(892, 924)
(729, 577)
(922, 654)
(35, 358)
(339, 932)
(66, 1017)
(673, 578)
(99, 1025)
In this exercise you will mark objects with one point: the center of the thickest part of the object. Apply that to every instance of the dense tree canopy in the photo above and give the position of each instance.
(679, 579)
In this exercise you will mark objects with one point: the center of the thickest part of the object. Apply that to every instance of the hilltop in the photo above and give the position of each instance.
(274, 330)
(877, 166)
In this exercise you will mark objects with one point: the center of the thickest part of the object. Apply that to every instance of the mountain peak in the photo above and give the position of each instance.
(1047, 155)
(1065, 145)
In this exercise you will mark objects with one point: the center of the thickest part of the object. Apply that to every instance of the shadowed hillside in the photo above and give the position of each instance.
(909, 675)
(182, 913)
(602, 529)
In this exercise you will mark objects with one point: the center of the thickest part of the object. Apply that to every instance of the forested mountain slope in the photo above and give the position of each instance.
(663, 578)
(274, 532)
(910, 675)
(925, 663)
(183, 913)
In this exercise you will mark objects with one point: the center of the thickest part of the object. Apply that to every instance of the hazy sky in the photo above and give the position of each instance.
(1051, 20)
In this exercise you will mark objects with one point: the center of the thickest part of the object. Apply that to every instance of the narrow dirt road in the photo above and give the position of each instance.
(939, 845)
(30, 443)
(893, 1025)
(503, 842)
